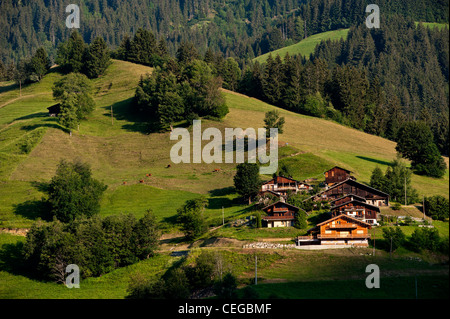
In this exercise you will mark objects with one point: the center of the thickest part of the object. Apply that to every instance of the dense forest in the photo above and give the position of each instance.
(376, 80)
(239, 28)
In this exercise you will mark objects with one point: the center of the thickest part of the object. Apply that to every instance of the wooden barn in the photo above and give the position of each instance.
(371, 195)
(54, 110)
(339, 230)
(336, 175)
(282, 185)
(357, 209)
(279, 214)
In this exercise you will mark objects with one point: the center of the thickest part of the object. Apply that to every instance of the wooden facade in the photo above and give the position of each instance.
(279, 214)
(336, 175)
(346, 198)
(282, 185)
(341, 230)
(357, 209)
(371, 195)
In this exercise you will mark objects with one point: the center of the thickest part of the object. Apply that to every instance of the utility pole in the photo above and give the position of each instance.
(373, 242)
(423, 207)
(256, 269)
(390, 251)
(223, 217)
(112, 118)
(405, 190)
(415, 277)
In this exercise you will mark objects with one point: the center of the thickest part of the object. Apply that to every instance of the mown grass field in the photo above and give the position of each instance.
(281, 273)
(121, 153)
(306, 46)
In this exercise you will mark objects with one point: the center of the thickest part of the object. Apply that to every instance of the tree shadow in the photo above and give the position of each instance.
(219, 202)
(222, 191)
(373, 160)
(12, 260)
(123, 111)
(54, 125)
(9, 87)
(32, 116)
(33, 209)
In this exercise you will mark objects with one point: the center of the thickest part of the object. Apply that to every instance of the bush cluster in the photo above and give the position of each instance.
(95, 245)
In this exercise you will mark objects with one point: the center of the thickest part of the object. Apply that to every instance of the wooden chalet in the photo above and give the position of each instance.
(54, 110)
(336, 175)
(279, 214)
(339, 230)
(347, 198)
(282, 185)
(357, 209)
(371, 195)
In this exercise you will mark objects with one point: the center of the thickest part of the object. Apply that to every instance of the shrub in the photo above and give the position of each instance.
(73, 192)
(425, 238)
(437, 207)
(395, 236)
(97, 246)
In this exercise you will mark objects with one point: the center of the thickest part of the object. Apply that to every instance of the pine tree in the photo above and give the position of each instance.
(96, 58)
(39, 64)
(71, 53)
(415, 142)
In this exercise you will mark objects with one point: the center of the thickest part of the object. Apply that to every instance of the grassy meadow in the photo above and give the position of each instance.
(121, 153)
(306, 46)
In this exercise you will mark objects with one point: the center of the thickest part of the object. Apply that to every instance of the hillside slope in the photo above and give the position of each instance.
(119, 150)
(306, 46)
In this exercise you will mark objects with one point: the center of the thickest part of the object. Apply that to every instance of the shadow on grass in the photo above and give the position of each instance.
(222, 191)
(32, 116)
(33, 209)
(54, 125)
(138, 122)
(11, 259)
(373, 160)
(9, 87)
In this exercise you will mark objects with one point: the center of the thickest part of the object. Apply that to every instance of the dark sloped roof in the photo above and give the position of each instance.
(352, 181)
(340, 168)
(349, 195)
(358, 203)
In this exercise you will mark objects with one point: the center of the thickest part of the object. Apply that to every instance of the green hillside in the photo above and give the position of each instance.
(121, 153)
(306, 46)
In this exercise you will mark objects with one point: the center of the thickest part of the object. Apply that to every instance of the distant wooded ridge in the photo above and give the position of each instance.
(242, 29)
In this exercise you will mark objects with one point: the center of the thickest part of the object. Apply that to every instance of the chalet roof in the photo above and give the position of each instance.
(352, 181)
(280, 202)
(349, 195)
(358, 203)
(339, 168)
(344, 216)
(280, 179)
(56, 108)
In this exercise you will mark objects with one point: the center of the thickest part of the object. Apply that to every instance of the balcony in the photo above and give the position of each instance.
(342, 226)
(343, 236)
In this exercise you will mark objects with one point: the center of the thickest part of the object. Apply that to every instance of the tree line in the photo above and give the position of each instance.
(241, 29)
